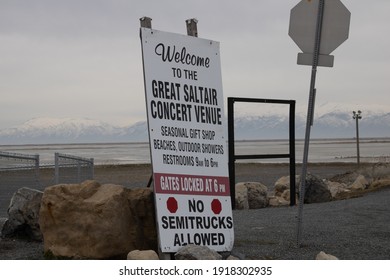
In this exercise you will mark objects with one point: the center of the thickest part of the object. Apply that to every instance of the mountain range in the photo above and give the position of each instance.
(335, 124)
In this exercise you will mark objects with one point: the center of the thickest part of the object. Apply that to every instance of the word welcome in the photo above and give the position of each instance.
(168, 53)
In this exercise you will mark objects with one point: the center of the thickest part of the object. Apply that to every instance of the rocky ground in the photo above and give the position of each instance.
(356, 228)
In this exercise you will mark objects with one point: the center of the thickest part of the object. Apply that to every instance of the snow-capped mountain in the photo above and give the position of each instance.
(69, 130)
(342, 125)
(55, 127)
(335, 124)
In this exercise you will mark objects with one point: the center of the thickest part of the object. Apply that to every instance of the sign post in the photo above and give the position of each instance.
(318, 27)
(188, 140)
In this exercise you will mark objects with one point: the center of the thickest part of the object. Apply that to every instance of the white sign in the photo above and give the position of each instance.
(188, 139)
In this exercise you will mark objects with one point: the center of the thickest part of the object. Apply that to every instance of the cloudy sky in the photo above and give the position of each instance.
(82, 58)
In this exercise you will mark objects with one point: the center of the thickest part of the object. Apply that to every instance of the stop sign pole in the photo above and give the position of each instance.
(335, 28)
(310, 116)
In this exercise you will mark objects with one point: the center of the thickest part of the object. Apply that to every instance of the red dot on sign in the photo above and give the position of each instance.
(216, 206)
(172, 205)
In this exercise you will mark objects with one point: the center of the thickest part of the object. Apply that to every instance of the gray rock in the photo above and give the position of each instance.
(23, 215)
(324, 256)
(232, 255)
(336, 189)
(195, 252)
(283, 184)
(142, 255)
(241, 196)
(251, 195)
(316, 190)
(360, 184)
(257, 195)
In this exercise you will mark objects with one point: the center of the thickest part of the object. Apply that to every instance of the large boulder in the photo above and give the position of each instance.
(282, 191)
(141, 202)
(359, 184)
(256, 193)
(346, 178)
(316, 190)
(283, 184)
(23, 215)
(241, 196)
(337, 190)
(93, 221)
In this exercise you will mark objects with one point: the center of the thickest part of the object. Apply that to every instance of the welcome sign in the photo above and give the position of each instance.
(188, 140)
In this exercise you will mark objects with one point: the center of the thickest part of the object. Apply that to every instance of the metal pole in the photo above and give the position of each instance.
(357, 141)
(357, 116)
(37, 175)
(292, 153)
(232, 170)
(310, 116)
(56, 169)
(78, 172)
(92, 165)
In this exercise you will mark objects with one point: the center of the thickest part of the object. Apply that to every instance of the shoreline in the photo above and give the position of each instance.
(323, 150)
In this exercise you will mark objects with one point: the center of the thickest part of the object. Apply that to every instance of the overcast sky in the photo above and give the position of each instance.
(82, 58)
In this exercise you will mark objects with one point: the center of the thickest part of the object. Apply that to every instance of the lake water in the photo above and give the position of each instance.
(328, 150)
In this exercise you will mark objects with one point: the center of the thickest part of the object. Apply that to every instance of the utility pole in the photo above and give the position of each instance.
(357, 116)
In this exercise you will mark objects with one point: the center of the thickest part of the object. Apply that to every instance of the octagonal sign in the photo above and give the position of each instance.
(216, 206)
(335, 25)
(172, 205)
